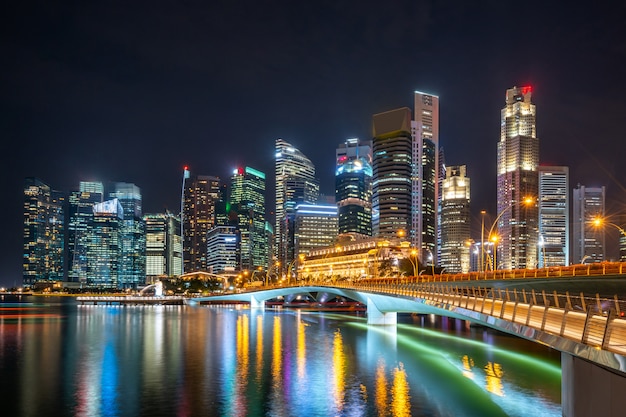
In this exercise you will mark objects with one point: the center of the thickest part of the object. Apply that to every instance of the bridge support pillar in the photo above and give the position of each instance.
(254, 303)
(588, 389)
(375, 316)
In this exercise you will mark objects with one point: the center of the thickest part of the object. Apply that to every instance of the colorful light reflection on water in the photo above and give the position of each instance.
(72, 360)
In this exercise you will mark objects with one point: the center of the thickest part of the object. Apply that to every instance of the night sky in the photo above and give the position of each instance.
(133, 91)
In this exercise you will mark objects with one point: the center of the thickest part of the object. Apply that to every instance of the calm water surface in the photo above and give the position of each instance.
(58, 358)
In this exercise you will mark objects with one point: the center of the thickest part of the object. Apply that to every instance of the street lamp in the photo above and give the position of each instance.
(542, 251)
(494, 239)
(269, 271)
(599, 221)
(482, 241)
(413, 254)
(432, 260)
(525, 201)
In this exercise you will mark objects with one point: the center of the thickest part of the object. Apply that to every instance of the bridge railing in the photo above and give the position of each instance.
(592, 269)
(590, 320)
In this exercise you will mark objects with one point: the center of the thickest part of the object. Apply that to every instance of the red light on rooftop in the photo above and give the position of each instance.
(240, 171)
(527, 89)
(186, 168)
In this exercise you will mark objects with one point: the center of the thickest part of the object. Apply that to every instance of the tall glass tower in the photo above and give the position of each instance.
(455, 220)
(44, 228)
(426, 173)
(353, 187)
(132, 267)
(392, 173)
(295, 184)
(104, 244)
(517, 180)
(81, 215)
(247, 205)
(200, 194)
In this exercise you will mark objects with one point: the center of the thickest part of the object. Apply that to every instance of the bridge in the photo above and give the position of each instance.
(588, 330)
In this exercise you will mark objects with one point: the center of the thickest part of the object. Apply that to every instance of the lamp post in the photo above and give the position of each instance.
(482, 241)
(269, 271)
(542, 251)
(432, 260)
(599, 221)
(415, 263)
(494, 240)
(525, 201)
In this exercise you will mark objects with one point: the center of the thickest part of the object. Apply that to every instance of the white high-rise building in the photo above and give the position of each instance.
(588, 241)
(425, 175)
(517, 180)
(553, 216)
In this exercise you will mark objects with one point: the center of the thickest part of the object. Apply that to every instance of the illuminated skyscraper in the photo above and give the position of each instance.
(105, 245)
(427, 174)
(200, 194)
(392, 173)
(223, 249)
(44, 228)
(81, 214)
(295, 184)
(518, 160)
(247, 208)
(163, 246)
(132, 265)
(553, 216)
(588, 242)
(353, 187)
(455, 220)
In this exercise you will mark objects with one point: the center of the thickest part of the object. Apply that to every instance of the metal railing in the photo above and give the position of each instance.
(593, 321)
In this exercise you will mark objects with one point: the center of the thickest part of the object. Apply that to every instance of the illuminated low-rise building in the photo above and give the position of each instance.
(356, 259)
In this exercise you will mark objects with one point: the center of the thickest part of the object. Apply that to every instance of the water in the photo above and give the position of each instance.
(58, 358)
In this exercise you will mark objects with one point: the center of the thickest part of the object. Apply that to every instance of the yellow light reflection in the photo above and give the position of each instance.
(243, 345)
(277, 353)
(493, 381)
(301, 350)
(401, 400)
(339, 370)
(259, 347)
(468, 364)
(382, 399)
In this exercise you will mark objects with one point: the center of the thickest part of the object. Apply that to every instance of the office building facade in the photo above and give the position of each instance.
(223, 250)
(588, 241)
(81, 215)
(132, 266)
(554, 219)
(163, 246)
(199, 197)
(247, 208)
(392, 170)
(44, 233)
(427, 175)
(455, 220)
(353, 187)
(517, 180)
(295, 184)
(105, 245)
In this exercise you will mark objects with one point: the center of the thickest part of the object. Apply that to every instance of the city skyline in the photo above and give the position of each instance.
(88, 96)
